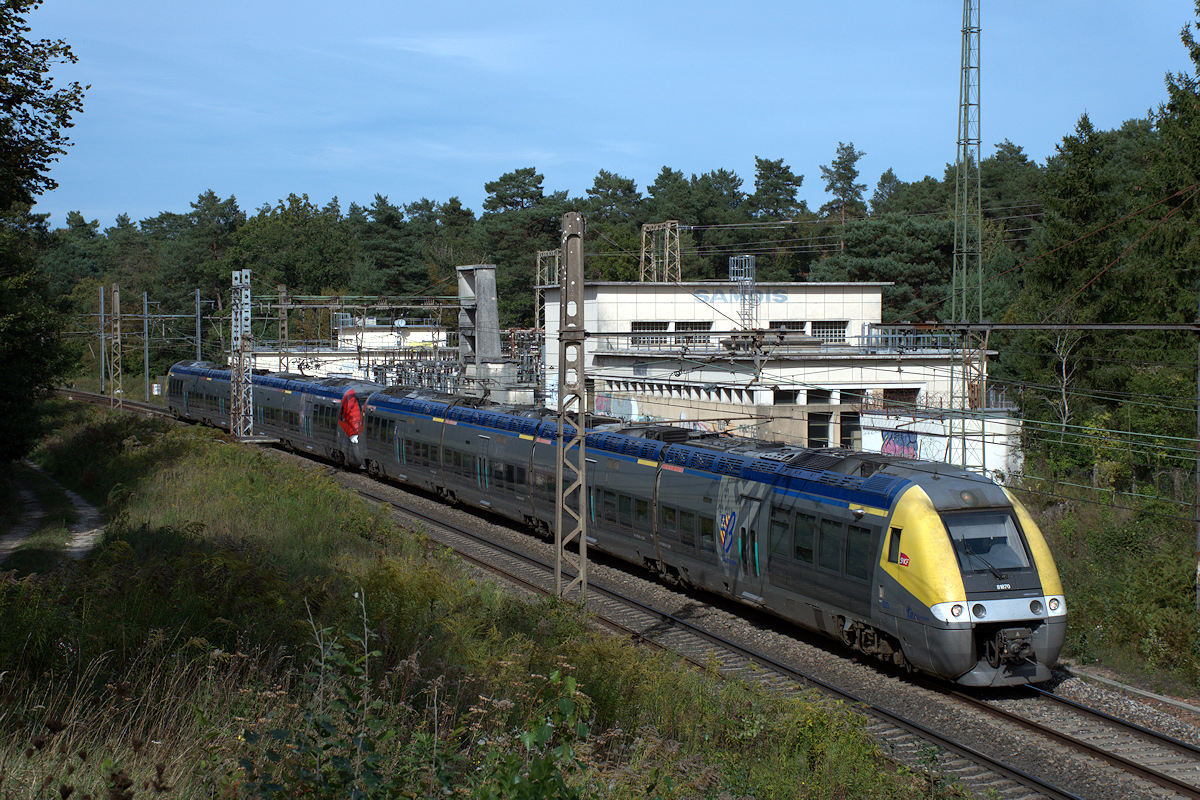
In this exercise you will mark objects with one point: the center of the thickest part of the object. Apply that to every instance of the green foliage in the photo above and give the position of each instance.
(176, 656)
(840, 176)
(1128, 573)
(36, 114)
(295, 243)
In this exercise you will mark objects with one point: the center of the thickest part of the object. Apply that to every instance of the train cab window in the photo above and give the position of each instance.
(829, 554)
(625, 511)
(986, 541)
(802, 537)
(706, 534)
(687, 528)
(894, 546)
(779, 531)
(858, 552)
(641, 513)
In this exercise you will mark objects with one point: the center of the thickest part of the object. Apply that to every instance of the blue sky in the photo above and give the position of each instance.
(261, 98)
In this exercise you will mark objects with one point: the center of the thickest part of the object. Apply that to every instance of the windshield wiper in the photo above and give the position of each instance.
(999, 575)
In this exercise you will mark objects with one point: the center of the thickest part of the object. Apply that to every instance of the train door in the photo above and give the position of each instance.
(483, 469)
(742, 534)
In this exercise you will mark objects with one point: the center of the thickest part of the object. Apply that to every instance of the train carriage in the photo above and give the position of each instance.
(918, 563)
(322, 416)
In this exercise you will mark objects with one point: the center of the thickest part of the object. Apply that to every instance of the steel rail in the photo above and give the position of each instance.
(912, 726)
(1126, 764)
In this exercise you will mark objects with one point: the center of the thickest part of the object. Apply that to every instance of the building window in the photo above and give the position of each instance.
(788, 325)
(692, 340)
(786, 397)
(653, 342)
(832, 332)
(818, 430)
(904, 398)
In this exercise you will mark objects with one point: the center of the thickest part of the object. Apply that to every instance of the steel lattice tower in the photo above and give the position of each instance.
(571, 518)
(968, 256)
(966, 279)
(241, 389)
(660, 252)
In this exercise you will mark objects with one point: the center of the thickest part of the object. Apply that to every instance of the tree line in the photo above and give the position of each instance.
(1101, 231)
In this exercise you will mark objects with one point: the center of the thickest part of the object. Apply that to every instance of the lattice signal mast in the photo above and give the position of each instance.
(115, 369)
(241, 388)
(570, 524)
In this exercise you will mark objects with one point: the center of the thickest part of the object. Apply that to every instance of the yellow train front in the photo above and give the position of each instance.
(965, 582)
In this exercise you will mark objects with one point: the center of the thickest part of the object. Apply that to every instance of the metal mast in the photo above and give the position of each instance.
(660, 252)
(549, 270)
(966, 301)
(117, 396)
(283, 327)
(241, 389)
(570, 523)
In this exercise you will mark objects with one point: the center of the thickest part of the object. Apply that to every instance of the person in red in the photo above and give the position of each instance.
(350, 419)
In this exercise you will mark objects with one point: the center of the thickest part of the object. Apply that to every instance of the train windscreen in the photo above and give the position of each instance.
(986, 541)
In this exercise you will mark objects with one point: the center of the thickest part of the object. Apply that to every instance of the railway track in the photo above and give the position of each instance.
(1154, 756)
(907, 740)
(1122, 759)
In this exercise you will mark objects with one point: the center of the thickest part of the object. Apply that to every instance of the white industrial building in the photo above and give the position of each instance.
(805, 363)
(358, 345)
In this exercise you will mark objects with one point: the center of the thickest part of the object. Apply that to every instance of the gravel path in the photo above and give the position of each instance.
(85, 530)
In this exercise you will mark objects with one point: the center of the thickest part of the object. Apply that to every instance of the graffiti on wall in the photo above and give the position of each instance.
(900, 443)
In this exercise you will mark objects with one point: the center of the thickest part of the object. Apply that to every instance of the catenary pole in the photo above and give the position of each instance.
(146, 340)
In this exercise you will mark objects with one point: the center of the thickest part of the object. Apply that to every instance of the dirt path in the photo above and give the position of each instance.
(85, 531)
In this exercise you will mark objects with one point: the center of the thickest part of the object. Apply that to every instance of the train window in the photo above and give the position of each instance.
(687, 528)
(667, 524)
(519, 480)
(986, 541)
(706, 534)
(625, 511)
(802, 537)
(858, 552)
(894, 546)
(780, 541)
(641, 513)
(830, 550)
(608, 511)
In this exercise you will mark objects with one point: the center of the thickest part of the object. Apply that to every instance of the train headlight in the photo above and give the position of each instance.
(1035, 607)
(1054, 604)
(979, 611)
(956, 610)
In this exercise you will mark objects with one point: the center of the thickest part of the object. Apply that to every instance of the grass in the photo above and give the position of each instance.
(247, 628)
(1129, 579)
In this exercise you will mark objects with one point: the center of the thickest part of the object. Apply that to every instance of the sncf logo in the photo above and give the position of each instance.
(904, 559)
(728, 519)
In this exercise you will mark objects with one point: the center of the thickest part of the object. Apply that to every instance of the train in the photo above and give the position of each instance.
(920, 564)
